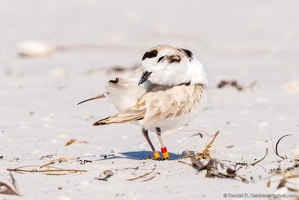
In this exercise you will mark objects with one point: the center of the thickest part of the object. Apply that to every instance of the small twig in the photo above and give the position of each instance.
(47, 164)
(180, 161)
(254, 163)
(144, 175)
(9, 190)
(149, 179)
(49, 169)
(276, 146)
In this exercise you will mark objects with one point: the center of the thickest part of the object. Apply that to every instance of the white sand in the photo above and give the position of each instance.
(247, 41)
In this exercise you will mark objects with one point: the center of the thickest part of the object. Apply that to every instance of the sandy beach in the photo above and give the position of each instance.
(253, 44)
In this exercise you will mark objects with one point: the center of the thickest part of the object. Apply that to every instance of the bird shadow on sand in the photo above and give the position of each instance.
(141, 155)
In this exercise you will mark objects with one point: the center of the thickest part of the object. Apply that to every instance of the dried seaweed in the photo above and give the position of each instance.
(283, 183)
(215, 168)
(71, 141)
(287, 174)
(235, 84)
(232, 83)
(205, 154)
(6, 189)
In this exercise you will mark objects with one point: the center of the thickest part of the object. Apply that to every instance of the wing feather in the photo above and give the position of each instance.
(162, 102)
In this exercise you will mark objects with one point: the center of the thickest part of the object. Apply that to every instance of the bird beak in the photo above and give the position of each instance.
(144, 77)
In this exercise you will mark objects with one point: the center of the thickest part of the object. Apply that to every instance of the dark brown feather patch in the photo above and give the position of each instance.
(186, 84)
(188, 53)
(101, 122)
(150, 54)
(174, 58)
(114, 81)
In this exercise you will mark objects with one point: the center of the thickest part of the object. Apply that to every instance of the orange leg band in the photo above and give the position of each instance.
(164, 152)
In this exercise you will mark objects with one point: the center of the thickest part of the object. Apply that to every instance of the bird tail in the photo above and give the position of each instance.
(122, 117)
(100, 96)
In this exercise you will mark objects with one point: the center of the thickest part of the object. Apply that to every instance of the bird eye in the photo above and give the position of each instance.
(160, 59)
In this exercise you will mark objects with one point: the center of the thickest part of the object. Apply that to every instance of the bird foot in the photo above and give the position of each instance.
(156, 155)
(165, 153)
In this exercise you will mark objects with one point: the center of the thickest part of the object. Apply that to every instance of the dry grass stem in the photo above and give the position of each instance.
(6, 189)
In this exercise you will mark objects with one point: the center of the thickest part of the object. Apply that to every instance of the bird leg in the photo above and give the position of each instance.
(163, 147)
(155, 153)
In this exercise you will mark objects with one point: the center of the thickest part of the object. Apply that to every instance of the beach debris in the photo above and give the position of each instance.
(6, 189)
(215, 168)
(276, 147)
(46, 169)
(144, 177)
(60, 160)
(106, 156)
(283, 183)
(35, 48)
(122, 69)
(107, 174)
(71, 141)
(197, 134)
(205, 154)
(49, 156)
(62, 198)
(113, 154)
(65, 159)
(114, 69)
(235, 84)
(83, 162)
(74, 140)
(287, 174)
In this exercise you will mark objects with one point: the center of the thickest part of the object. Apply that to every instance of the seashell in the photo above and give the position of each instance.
(35, 48)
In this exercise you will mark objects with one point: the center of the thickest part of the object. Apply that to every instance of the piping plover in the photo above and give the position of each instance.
(168, 91)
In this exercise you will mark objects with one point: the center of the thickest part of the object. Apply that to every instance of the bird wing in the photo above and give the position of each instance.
(161, 102)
